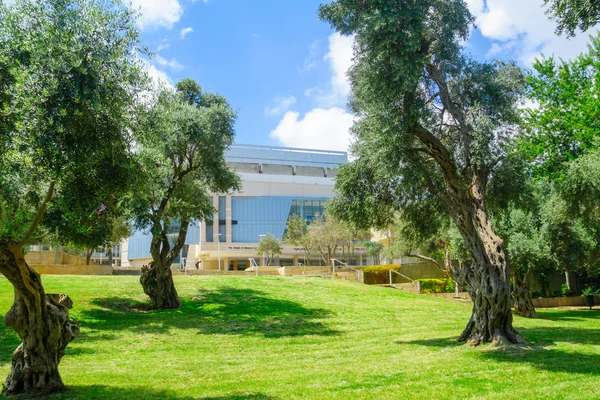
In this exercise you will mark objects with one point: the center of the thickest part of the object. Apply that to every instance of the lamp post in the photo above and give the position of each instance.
(262, 258)
(219, 249)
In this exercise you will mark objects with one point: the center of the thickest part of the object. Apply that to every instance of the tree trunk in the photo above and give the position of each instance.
(42, 322)
(110, 255)
(88, 256)
(157, 281)
(487, 279)
(521, 296)
(491, 319)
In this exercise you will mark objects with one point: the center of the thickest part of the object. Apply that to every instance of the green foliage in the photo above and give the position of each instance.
(69, 76)
(574, 15)
(269, 247)
(296, 230)
(180, 155)
(432, 124)
(374, 249)
(379, 274)
(589, 291)
(430, 286)
(565, 125)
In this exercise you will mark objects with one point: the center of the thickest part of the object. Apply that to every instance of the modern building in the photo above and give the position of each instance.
(277, 183)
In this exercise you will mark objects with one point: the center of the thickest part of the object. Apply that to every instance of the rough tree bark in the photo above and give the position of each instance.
(157, 281)
(42, 322)
(521, 296)
(487, 279)
(157, 278)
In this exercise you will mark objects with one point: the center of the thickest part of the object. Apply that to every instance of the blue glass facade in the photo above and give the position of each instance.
(139, 241)
(255, 216)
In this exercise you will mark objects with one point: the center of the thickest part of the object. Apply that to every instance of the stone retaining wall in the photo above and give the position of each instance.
(67, 269)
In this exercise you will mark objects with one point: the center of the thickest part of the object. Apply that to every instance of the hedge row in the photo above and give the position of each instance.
(379, 274)
(429, 286)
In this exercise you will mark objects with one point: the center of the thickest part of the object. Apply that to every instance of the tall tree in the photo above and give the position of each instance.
(574, 14)
(182, 139)
(431, 123)
(562, 143)
(68, 76)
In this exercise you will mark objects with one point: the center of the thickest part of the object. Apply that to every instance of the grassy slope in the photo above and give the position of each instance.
(304, 338)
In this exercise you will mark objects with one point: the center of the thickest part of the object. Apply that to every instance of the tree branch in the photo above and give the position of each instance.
(38, 215)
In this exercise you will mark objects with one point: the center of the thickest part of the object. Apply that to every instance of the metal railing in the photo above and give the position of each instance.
(254, 265)
(358, 272)
(391, 271)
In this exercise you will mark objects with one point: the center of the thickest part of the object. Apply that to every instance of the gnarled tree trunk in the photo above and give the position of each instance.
(42, 322)
(157, 281)
(521, 296)
(487, 279)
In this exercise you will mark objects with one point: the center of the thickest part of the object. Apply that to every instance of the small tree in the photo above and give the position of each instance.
(297, 235)
(182, 138)
(268, 248)
(374, 250)
(326, 234)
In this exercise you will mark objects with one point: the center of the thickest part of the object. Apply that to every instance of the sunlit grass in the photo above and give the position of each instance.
(304, 338)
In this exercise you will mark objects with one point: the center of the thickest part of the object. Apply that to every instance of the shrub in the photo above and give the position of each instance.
(429, 286)
(379, 274)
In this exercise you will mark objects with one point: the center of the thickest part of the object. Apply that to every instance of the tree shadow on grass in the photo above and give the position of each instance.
(539, 354)
(226, 311)
(102, 392)
(569, 315)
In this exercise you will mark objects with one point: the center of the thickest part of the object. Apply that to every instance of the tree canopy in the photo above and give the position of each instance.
(69, 77)
(572, 15)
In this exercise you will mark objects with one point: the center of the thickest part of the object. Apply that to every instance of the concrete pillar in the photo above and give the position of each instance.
(360, 259)
(57, 256)
(216, 219)
(125, 253)
(225, 266)
(228, 233)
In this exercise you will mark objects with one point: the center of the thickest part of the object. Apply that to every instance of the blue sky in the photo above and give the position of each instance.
(284, 70)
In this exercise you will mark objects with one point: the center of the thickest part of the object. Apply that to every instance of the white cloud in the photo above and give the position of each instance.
(310, 62)
(522, 29)
(186, 31)
(172, 63)
(157, 13)
(163, 45)
(282, 104)
(339, 58)
(158, 76)
(327, 129)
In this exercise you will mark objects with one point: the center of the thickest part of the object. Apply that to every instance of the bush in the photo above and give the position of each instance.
(429, 286)
(379, 274)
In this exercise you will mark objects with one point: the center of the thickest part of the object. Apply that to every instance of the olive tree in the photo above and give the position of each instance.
(68, 77)
(431, 122)
(268, 248)
(181, 141)
(296, 233)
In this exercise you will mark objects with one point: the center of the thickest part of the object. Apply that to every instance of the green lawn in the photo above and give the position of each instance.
(304, 338)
